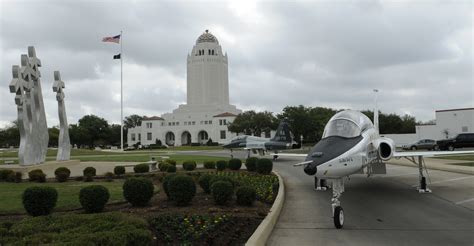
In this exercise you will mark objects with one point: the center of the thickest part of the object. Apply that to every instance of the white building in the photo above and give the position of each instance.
(207, 111)
(449, 123)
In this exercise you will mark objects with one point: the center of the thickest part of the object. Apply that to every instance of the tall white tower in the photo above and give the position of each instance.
(207, 73)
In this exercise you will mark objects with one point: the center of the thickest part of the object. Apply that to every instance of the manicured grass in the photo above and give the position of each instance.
(466, 164)
(458, 157)
(68, 193)
(146, 157)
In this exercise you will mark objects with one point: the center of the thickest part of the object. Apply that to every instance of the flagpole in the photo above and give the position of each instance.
(121, 91)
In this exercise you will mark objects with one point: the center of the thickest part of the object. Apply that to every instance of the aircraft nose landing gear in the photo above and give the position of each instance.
(337, 211)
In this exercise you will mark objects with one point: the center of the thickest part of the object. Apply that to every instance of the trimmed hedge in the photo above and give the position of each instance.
(4, 173)
(93, 198)
(182, 189)
(216, 178)
(109, 176)
(235, 164)
(222, 192)
(138, 191)
(245, 195)
(251, 164)
(62, 174)
(119, 170)
(141, 168)
(210, 165)
(264, 166)
(37, 175)
(163, 166)
(89, 171)
(171, 169)
(170, 161)
(78, 229)
(39, 200)
(204, 182)
(221, 165)
(166, 180)
(189, 165)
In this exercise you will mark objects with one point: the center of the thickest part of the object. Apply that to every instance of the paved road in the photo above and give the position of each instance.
(384, 210)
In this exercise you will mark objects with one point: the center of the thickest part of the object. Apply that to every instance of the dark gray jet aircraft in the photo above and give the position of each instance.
(282, 140)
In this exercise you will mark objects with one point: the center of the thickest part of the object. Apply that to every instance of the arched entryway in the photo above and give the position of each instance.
(203, 137)
(169, 138)
(186, 138)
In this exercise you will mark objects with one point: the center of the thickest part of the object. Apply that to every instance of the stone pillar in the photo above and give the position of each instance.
(64, 144)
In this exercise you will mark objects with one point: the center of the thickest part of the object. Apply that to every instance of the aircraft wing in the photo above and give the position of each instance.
(431, 153)
(288, 154)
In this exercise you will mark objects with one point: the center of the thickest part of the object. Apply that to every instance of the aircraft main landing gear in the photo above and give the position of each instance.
(337, 211)
(422, 186)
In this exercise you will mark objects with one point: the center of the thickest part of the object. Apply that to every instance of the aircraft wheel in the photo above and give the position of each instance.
(338, 217)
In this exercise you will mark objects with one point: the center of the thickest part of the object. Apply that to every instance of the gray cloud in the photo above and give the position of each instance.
(326, 53)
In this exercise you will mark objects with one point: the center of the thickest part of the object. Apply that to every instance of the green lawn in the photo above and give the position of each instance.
(68, 193)
(146, 157)
(458, 157)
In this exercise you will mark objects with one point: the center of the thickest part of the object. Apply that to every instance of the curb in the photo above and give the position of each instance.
(263, 231)
(439, 168)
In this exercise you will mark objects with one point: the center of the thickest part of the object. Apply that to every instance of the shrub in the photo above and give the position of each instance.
(251, 164)
(222, 192)
(93, 198)
(119, 170)
(221, 165)
(80, 229)
(189, 165)
(89, 171)
(141, 168)
(264, 166)
(182, 189)
(216, 178)
(18, 177)
(4, 173)
(170, 161)
(245, 195)
(210, 165)
(138, 191)
(162, 165)
(62, 174)
(39, 200)
(88, 178)
(166, 180)
(235, 164)
(204, 182)
(37, 175)
(109, 176)
(171, 169)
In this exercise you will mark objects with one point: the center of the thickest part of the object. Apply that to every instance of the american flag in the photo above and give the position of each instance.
(114, 39)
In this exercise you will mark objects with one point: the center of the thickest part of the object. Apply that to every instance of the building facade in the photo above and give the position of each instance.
(449, 123)
(207, 111)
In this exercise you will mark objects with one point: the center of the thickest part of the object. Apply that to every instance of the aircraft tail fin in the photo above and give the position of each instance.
(376, 113)
(283, 133)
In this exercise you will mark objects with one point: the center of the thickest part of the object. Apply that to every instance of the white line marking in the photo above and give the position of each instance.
(398, 175)
(464, 201)
(449, 180)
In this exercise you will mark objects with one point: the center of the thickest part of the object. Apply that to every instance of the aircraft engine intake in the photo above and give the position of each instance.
(386, 150)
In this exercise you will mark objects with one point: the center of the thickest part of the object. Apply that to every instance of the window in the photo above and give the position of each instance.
(205, 122)
(133, 136)
(149, 125)
(162, 123)
(148, 136)
(139, 137)
(177, 123)
(212, 52)
(222, 134)
(223, 122)
(194, 123)
(169, 123)
(210, 122)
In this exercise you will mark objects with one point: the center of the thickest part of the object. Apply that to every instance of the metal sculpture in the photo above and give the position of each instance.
(64, 144)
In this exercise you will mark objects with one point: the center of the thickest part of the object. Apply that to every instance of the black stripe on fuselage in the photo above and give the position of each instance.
(330, 147)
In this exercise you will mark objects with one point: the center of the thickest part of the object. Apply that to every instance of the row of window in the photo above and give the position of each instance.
(209, 52)
(223, 122)
(149, 136)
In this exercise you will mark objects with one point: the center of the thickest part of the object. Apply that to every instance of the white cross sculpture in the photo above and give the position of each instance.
(64, 144)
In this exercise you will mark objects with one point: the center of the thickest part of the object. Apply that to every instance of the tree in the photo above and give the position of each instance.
(132, 121)
(113, 135)
(95, 129)
(252, 123)
(53, 136)
(10, 135)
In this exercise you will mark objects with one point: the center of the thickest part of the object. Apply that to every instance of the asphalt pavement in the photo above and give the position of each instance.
(381, 210)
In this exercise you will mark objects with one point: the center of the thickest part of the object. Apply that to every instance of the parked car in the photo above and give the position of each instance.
(428, 144)
(462, 140)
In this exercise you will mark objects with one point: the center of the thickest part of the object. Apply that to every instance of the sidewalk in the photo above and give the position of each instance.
(437, 164)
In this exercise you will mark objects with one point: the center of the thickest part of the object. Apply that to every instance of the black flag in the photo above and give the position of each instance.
(117, 56)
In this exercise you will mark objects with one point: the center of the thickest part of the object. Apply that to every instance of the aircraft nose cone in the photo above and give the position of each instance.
(310, 169)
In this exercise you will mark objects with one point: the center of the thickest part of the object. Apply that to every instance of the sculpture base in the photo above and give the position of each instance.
(49, 165)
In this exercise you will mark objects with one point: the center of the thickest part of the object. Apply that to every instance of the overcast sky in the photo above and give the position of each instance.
(320, 53)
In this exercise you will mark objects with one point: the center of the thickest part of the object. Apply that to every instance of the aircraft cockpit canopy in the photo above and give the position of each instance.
(236, 138)
(348, 124)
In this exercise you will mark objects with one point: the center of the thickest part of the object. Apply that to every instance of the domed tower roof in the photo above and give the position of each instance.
(207, 37)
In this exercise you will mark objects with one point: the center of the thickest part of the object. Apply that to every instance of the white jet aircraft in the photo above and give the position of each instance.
(351, 144)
